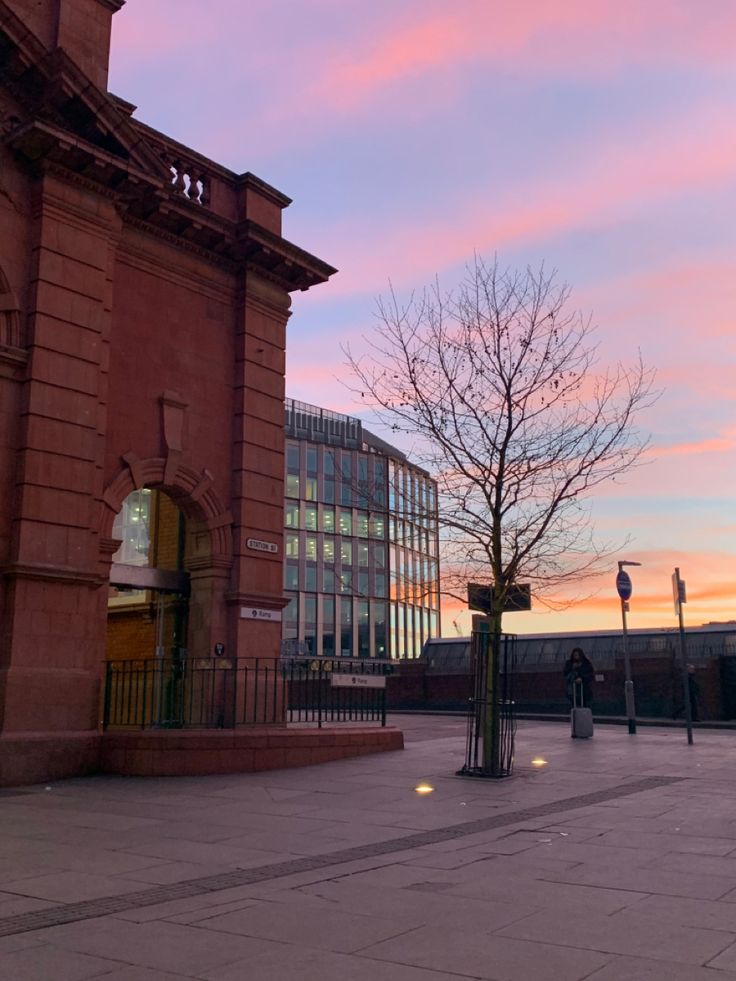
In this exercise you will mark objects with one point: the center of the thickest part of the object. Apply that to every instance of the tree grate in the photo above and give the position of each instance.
(95, 908)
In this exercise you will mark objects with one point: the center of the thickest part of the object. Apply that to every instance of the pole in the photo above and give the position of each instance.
(628, 683)
(683, 660)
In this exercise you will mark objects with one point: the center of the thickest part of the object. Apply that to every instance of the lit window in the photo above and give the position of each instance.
(378, 527)
(132, 527)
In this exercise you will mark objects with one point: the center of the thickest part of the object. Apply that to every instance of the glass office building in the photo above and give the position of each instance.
(361, 564)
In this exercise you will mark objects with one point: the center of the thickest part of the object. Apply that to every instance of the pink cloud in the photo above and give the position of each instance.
(718, 444)
(616, 179)
(575, 37)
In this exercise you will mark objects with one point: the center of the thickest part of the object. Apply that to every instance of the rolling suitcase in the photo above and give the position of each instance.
(581, 718)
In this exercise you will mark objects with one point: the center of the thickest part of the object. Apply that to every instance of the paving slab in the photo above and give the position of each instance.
(615, 861)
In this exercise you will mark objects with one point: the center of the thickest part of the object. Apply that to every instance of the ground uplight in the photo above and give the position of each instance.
(423, 788)
(539, 761)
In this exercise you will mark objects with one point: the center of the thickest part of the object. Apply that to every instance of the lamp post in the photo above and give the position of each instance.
(624, 589)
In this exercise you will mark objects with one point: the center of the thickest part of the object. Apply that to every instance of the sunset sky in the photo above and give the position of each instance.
(598, 137)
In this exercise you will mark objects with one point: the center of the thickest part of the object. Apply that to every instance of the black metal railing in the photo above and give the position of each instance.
(221, 693)
(336, 689)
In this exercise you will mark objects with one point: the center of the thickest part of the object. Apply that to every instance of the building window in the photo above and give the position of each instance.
(292, 457)
(291, 515)
(328, 520)
(346, 553)
(328, 550)
(362, 548)
(346, 523)
(291, 575)
(310, 488)
(291, 618)
(362, 499)
(378, 527)
(132, 525)
(310, 517)
(364, 633)
(346, 626)
(328, 626)
(379, 471)
(311, 459)
(310, 548)
(361, 524)
(292, 485)
(291, 545)
(379, 629)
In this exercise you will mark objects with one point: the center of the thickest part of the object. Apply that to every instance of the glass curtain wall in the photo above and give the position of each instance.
(360, 552)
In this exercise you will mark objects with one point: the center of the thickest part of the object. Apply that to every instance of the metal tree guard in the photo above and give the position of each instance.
(491, 707)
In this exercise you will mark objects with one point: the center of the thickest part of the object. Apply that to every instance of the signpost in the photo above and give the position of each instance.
(518, 598)
(679, 594)
(624, 590)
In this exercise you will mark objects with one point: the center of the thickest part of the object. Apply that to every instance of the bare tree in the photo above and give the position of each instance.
(497, 383)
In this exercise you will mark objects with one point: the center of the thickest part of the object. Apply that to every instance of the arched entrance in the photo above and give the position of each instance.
(148, 601)
(148, 604)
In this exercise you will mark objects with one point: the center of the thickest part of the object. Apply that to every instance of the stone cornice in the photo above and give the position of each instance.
(14, 356)
(51, 573)
(76, 128)
(258, 600)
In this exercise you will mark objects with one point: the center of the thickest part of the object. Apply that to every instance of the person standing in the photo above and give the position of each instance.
(578, 672)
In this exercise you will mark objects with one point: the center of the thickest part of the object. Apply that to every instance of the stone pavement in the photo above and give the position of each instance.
(614, 861)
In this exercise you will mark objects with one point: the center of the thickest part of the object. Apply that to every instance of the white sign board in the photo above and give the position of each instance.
(357, 681)
(258, 546)
(254, 613)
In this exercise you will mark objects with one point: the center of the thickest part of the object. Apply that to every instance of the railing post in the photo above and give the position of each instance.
(106, 699)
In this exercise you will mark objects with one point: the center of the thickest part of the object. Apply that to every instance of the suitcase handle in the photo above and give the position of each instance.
(575, 687)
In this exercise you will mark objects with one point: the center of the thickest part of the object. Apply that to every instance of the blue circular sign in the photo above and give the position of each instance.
(623, 585)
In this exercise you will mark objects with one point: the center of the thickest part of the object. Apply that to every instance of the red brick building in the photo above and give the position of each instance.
(144, 296)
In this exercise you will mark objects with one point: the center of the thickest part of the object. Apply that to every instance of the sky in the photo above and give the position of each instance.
(596, 136)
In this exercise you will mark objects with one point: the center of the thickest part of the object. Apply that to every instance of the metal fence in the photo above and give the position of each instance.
(222, 693)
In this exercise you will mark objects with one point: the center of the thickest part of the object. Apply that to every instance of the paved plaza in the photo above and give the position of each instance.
(613, 861)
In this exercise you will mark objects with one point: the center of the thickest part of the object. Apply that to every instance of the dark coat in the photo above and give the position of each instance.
(581, 675)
